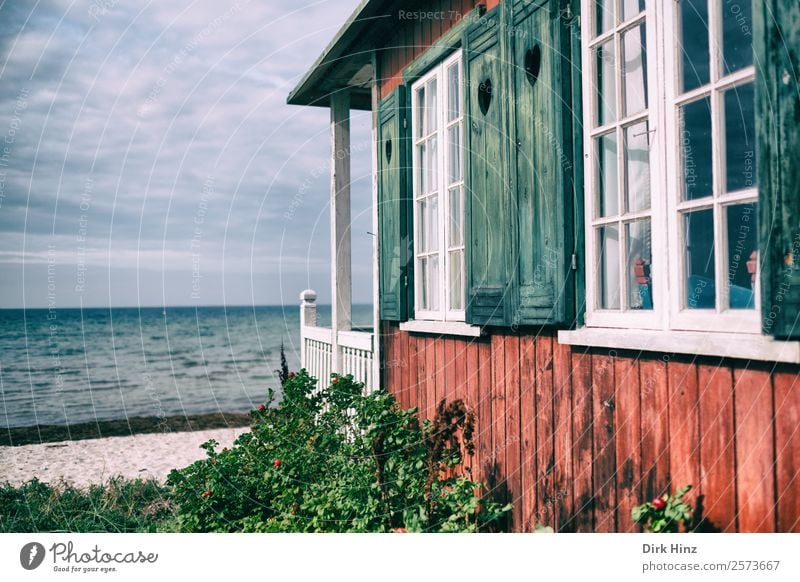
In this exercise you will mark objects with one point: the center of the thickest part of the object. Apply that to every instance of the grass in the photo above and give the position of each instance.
(119, 505)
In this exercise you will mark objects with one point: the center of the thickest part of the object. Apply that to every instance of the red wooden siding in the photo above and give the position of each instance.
(576, 438)
(414, 36)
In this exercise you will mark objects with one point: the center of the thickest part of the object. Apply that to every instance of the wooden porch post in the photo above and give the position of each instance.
(341, 278)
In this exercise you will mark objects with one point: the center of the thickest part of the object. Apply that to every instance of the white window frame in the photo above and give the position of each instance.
(596, 316)
(665, 158)
(439, 71)
(717, 319)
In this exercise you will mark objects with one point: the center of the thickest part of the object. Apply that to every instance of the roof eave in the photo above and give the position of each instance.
(344, 56)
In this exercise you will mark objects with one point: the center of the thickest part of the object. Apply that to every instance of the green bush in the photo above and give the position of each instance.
(120, 505)
(336, 460)
(665, 514)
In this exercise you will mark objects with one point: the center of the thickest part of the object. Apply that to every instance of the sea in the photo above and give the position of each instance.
(65, 366)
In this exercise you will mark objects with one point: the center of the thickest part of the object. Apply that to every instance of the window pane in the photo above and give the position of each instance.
(737, 35)
(453, 97)
(424, 275)
(431, 166)
(604, 15)
(608, 197)
(608, 277)
(456, 287)
(639, 261)
(637, 167)
(420, 105)
(693, 43)
(422, 174)
(634, 69)
(740, 138)
(422, 227)
(431, 113)
(631, 8)
(432, 223)
(695, 123)
(433, 288)
(454, 154)
(456, 217)
(741, 220)
(606, 85)
(428, 229)
(699, 237)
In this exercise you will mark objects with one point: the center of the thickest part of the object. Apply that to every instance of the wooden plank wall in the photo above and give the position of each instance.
(575, 438)
(416, 36)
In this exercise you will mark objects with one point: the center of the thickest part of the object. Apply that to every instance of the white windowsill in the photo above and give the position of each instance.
(441, 327)
(727, 345)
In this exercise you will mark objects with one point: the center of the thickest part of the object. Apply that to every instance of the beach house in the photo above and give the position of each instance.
(587, 219)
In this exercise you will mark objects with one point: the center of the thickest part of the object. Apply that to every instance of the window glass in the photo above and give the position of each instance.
(634, 69)
(631, 8)
(638, 260)
(606, 84)
(609, 267)
(699, 259)
(637, 167)
(737, 33)
(740, 138)
(607, 175)
(696, 152)
(693, 51)
(456, 287)
(741, 232)
(604, 15)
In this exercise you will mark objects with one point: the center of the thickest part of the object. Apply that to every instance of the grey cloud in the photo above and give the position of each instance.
(145, 104)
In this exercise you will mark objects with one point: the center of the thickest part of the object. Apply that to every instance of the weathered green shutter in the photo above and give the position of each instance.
(541, 163)
(777, 46)
(520, 189)
(486, 210)
(394, 242)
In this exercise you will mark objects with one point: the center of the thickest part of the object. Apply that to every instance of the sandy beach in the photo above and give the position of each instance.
(85, 462)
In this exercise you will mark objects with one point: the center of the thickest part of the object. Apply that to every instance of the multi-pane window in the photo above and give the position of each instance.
(712, 110)
(622, 122)
(437, 129)
(670, 166)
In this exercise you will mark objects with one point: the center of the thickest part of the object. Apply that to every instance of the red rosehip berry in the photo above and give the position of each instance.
(291, 375)
(334, 380)
(658, 503)
(277, 463)
(261, 407)
(399, 530)
(206, 493)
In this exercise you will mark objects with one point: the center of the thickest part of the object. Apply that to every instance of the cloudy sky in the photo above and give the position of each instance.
(145, 144)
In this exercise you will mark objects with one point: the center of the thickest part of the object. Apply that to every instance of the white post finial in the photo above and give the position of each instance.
(308, 318)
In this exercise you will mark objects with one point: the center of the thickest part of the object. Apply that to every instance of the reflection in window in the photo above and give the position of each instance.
(699, 259)
(741, 232)
(639, 258)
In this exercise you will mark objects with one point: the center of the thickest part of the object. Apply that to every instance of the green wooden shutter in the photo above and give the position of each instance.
(541, 163)
(486, 209)
(777, 46)
(394, 241)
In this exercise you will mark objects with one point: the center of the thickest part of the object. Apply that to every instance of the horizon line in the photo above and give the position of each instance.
(173, 306)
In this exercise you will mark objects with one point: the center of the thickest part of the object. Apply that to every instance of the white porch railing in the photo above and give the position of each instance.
(356, 354)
